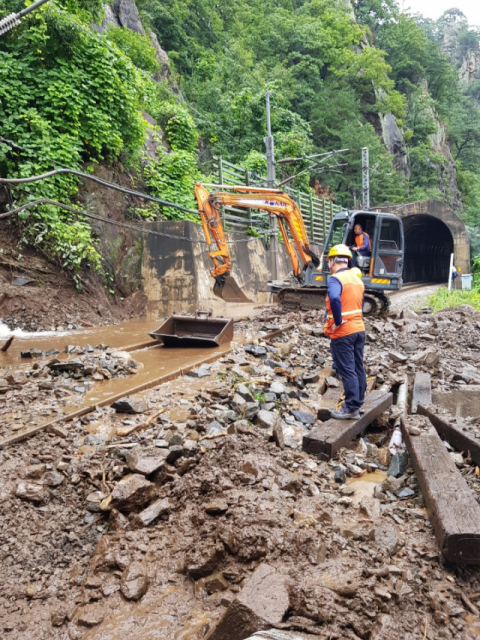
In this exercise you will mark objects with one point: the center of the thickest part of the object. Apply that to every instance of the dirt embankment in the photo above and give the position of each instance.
(36, 296)
(111, 527)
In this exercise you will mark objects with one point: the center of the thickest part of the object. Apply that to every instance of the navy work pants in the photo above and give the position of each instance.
(348, 357)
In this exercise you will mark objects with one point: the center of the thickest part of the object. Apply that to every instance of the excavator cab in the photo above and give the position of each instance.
(382, 269)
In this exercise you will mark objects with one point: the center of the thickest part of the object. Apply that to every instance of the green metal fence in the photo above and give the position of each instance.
(317, 212)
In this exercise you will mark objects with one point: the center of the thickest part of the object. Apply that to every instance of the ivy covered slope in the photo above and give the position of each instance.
(345, 74)
(71, 96)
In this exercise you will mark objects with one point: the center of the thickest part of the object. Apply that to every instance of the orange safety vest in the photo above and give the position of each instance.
(352, 300)
(359, 240)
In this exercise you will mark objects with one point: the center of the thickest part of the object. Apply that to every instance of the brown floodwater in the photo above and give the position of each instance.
(364, 485)
(158, 364)
(120, 336)
(157, 616)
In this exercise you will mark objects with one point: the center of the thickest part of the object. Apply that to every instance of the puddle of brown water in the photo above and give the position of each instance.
(364, 485)
(120, 336)
(473, 624)
(157, 362)
(150, 619)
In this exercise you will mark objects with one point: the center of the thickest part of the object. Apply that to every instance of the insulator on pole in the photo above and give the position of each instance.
(365, 180)
(8, 23)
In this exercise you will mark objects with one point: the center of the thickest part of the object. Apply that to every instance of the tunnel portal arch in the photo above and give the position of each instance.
(432, 232)
(428, 246)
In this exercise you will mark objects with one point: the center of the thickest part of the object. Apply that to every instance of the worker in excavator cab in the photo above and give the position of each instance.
(346, 330)
(362, 246)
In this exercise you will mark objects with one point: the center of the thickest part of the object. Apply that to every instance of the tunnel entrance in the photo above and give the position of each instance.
(428, 245)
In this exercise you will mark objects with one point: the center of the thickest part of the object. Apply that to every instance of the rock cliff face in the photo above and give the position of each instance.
(448, 173)
(467, 60)
(470, 67)
(124, 13)
(395, 142)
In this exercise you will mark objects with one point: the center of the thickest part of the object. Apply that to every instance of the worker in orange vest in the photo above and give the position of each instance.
(344, 326)
(362, 246)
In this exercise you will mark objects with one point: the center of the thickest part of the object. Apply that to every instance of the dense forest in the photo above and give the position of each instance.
(75, 85)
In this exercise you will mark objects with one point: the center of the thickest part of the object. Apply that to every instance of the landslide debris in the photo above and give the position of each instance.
(213, 507)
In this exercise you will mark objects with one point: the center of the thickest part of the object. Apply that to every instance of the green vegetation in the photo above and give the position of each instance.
(66, 98)
(71, 96)
(444, 299)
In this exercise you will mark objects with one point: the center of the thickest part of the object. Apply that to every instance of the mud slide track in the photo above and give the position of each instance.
(170, 363)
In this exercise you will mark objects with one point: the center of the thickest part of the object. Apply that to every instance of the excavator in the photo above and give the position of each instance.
(381, 272)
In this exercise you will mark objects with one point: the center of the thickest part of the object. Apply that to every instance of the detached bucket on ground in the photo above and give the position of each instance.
(229, 290)
(199, 330)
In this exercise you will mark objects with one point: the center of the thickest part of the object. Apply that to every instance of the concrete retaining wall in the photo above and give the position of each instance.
(176, 273)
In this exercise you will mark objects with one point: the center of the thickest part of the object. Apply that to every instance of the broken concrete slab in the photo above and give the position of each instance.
(262, 603)
(451, 505)
(329, 437)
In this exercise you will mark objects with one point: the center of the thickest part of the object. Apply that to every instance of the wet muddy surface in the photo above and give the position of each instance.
(152, 524)
(121, 336)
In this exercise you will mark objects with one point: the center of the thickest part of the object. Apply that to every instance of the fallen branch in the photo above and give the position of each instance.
(7, 344)
(126, 431)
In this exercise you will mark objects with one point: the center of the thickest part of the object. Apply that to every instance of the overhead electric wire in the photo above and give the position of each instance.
(105, 183)
(116, 223)
(110, 185)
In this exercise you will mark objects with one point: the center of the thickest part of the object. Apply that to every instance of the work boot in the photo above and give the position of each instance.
(345, 414)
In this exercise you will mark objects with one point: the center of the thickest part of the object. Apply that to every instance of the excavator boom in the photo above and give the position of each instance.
(273, 201)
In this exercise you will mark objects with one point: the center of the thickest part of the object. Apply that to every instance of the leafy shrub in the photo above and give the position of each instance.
(67, 96)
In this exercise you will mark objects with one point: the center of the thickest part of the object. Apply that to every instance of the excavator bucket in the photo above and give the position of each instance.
(199, 330)
(229, 290)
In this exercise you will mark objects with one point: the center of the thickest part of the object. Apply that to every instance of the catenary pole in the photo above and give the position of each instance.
(270, 154)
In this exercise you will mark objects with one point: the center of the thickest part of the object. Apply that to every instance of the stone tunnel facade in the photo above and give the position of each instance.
(432, 233)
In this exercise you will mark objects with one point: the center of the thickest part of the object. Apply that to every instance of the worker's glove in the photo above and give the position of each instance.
(335, 327)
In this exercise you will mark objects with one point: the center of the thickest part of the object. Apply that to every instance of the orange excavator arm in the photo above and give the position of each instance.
(271, 200)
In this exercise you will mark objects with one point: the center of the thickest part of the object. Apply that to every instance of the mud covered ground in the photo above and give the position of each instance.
(37, 296)
(149, 525)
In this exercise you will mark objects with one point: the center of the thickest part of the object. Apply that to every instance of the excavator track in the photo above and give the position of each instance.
(307, 299)
(302, 298)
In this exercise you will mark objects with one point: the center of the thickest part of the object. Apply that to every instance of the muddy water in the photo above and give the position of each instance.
(148, 619)
(156, 362)
(120, 336)
(364, 485)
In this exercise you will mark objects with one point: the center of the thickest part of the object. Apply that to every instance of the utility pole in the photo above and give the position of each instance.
(365, 180)
(270, 153)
